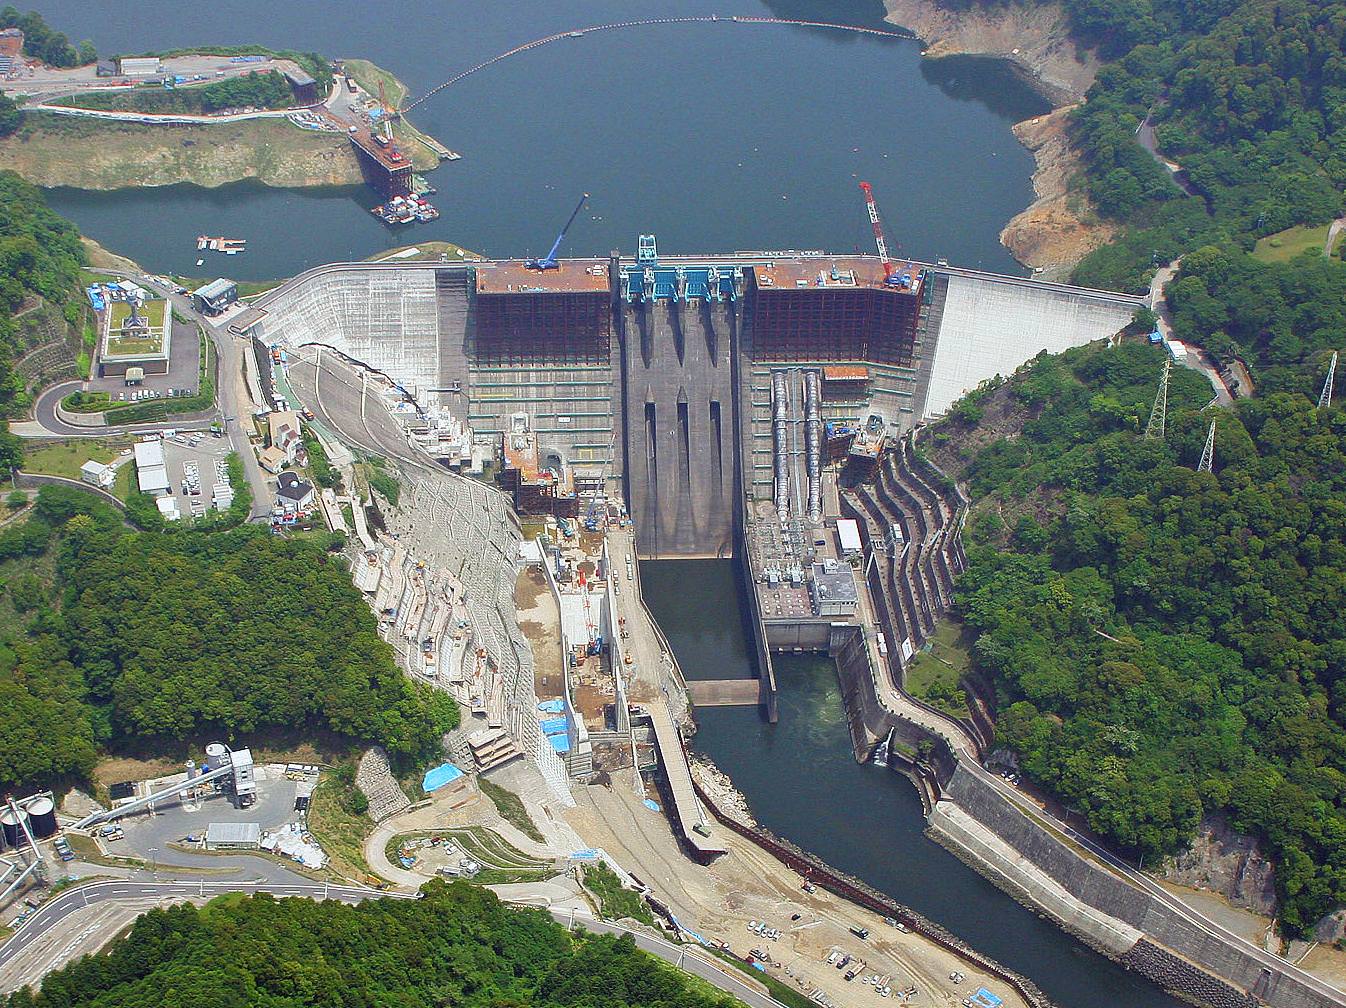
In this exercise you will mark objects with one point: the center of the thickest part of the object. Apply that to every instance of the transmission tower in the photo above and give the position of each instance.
(1325, 399)
(1159, 415)
(1208, 453)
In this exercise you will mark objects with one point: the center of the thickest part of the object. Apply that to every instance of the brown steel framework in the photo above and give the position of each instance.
(862, 323)
(542, 327)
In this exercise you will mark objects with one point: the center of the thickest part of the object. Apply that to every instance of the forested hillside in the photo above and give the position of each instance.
(458, 945)
(1248, 97)
(40, 257)
(1165, 644)
(156, 637)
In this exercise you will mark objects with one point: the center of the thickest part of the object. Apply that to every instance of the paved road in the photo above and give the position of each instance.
(1145, 136)
(968, 756)
(158, 120)
(233, 401)
(76, 899)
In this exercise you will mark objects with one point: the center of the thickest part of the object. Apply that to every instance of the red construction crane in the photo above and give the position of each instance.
(888, 270)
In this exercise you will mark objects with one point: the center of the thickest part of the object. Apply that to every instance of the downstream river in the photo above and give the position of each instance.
(714, 137)
(803, 783)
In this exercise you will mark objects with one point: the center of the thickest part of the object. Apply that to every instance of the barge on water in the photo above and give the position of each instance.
(405, 210)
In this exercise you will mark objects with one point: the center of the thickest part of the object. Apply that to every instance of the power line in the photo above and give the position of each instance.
(1325, 399)
(1208, 453)
(1159, 414)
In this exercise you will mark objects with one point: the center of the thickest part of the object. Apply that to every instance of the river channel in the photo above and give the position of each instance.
(715, 137)
(803, 783)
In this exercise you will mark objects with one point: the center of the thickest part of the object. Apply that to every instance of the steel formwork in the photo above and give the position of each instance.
(845, 324)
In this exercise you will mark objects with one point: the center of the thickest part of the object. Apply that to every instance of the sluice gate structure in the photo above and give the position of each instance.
(762, 405)
(715, 395)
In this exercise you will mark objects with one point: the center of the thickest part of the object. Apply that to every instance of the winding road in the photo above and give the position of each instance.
(232, 399)
(76, 899)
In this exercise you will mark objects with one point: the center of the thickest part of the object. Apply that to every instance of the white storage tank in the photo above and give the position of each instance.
(217, 755)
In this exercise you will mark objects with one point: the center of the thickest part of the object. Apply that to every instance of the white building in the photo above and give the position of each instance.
(138, 66)
(97, 474)
(151, 472)
(848, 537)
(233, 836)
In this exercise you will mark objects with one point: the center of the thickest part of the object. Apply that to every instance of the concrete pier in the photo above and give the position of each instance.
(693, 822)
(725, 692)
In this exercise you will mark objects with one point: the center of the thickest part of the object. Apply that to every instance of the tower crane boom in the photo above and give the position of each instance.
(887, 263)
(549, 261)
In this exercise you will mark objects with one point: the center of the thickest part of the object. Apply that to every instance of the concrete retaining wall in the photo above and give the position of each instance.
(79, 419)
(848, 887)
(31, 480)
(1105, 906)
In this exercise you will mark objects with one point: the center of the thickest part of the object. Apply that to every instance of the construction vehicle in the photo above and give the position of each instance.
(548, 262)
(890, 275)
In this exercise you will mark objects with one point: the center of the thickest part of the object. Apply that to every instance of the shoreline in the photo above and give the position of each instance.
(1059, 228)
(100, 155)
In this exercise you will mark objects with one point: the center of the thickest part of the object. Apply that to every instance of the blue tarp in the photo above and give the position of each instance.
(445, 773)
(652, 805)
(556, 706)
(985, 999)
(553, 726)
(559, 742)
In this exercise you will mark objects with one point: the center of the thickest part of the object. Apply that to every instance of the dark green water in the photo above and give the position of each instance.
(804, 784)
(716, 137)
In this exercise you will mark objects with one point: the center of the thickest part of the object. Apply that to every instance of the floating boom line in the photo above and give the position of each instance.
(645, 22)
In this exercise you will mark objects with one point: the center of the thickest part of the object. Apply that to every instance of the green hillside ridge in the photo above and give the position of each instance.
(457, 945)
(1224, 690)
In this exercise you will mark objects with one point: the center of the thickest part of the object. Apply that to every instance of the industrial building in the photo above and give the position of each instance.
(231, 836)
(832, 587)
(139, 66)
(11, 50)
(151, 470)
(215, 297)
(303, 87)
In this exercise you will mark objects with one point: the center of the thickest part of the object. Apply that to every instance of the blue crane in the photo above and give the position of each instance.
(549, 260)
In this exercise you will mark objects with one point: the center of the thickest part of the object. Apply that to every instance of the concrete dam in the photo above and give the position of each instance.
(650, 378)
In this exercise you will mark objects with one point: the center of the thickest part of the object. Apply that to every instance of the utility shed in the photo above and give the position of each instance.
(848, 537)
(233, 836)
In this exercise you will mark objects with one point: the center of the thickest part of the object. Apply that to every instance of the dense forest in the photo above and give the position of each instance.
(40, 258)
(457, 945)
(161, 636)
(1249, 99)
(42, 42)
(1165, 644)
(260, 89)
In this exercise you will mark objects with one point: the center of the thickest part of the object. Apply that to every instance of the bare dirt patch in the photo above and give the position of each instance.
(1060, 227)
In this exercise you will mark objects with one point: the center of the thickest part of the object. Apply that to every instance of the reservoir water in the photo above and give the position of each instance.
(715, 137)
(803, 783)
